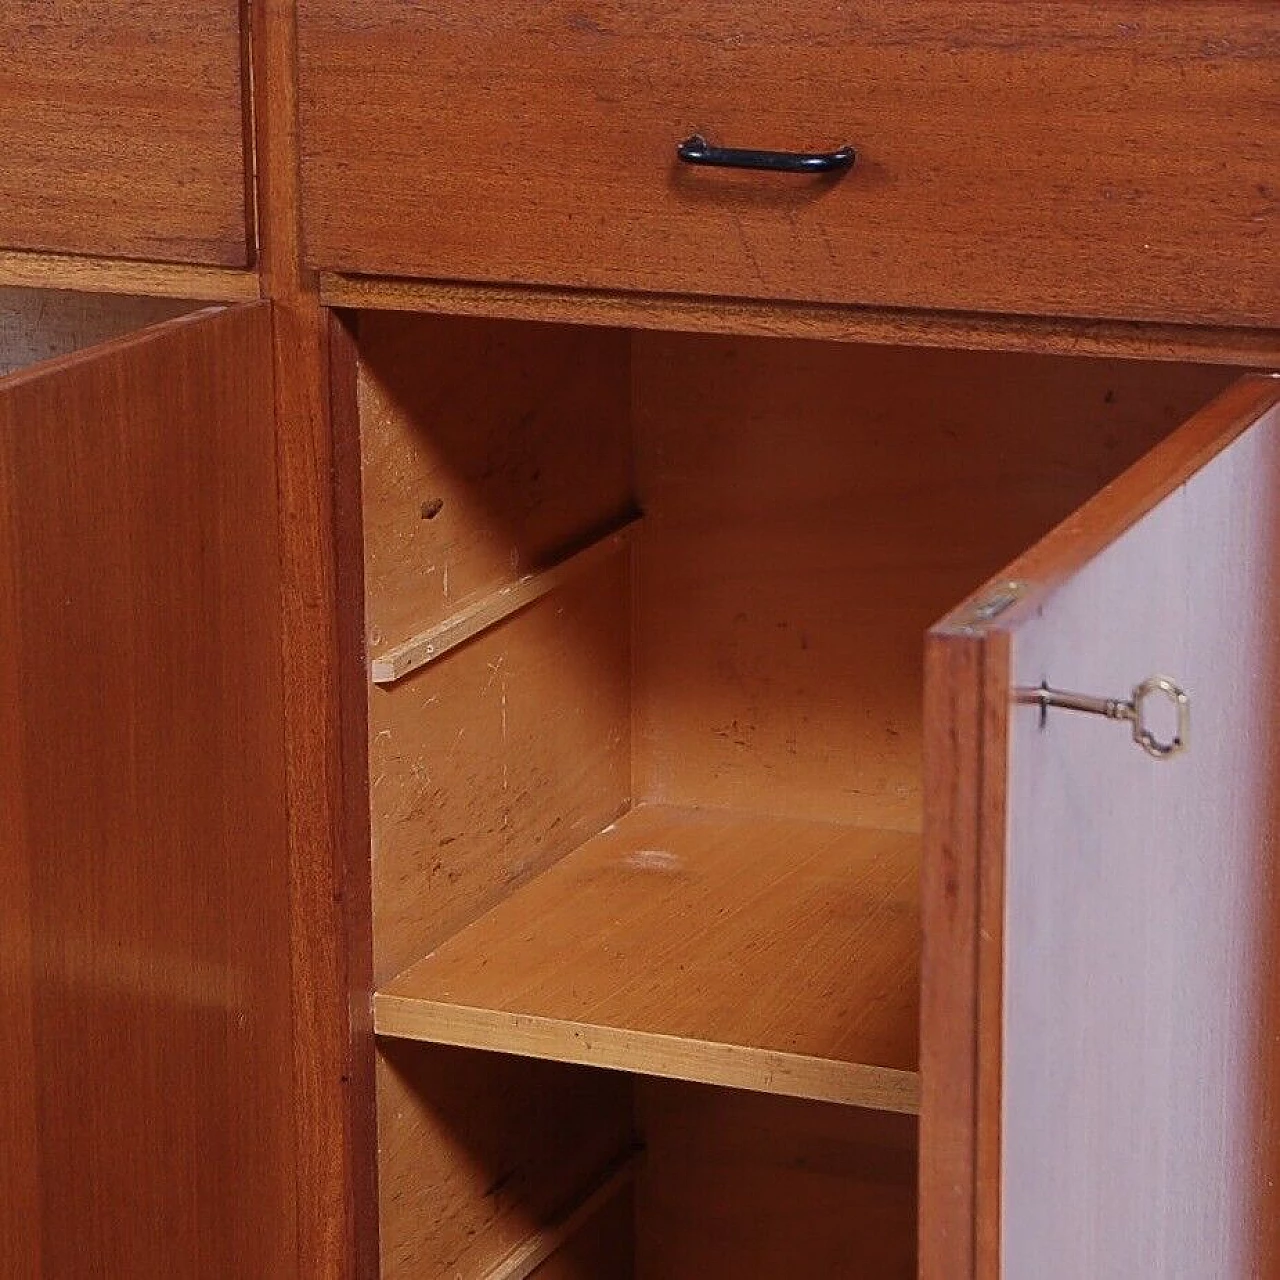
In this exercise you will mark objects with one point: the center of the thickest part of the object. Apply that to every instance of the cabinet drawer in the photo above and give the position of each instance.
(124, 130)
(1112, 159)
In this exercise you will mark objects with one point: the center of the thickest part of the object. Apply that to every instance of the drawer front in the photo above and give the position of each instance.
(1076, 158)
(123, 130)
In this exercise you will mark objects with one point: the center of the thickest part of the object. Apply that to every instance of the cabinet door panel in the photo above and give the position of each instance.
(144, 963)
(1100, 1018)
(123, 130)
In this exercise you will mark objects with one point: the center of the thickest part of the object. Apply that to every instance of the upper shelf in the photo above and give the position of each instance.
(753, 952)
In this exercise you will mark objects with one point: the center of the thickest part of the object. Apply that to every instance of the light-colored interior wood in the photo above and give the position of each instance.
(809, 510)
(526, 1259)
(703, 752)
(39, 324)
(487, 767)
(488, 452)
(1138, 936)
(603, 1246)
(772, 954)
(485, 612)
(742, 1184)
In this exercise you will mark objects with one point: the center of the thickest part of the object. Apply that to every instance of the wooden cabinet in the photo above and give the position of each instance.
(539, 752)
(676, 812)
(125, 131)
(1070, 158)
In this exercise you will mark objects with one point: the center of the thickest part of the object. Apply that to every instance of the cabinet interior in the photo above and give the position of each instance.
(43, 324)
(644, 614)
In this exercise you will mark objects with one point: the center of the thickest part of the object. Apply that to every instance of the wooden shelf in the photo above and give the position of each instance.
(753, 952)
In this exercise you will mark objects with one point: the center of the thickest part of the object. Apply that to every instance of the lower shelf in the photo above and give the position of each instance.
(752, 952)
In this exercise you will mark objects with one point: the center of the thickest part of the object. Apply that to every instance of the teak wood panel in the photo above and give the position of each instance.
(1120, 948)
(770, 954)
(739, 1184)
(809, 510)
(1057, 158)
(124, 130)
(145, 1095)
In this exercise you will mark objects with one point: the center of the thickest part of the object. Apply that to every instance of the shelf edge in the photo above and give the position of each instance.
(648, 1053)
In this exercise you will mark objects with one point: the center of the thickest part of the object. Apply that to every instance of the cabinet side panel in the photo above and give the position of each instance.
(488, 765)
(143, 615)
(490, 450)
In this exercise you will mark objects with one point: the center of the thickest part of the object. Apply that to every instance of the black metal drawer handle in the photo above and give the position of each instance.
(697, 150)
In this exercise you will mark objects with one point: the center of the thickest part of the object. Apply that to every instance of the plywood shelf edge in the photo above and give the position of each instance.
(648, 1053)
(477, 617)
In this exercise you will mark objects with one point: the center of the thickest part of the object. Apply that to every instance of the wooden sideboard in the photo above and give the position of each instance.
(533, 739)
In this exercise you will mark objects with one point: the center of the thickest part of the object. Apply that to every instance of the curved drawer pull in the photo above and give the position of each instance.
(697, 150)
(1132, 710)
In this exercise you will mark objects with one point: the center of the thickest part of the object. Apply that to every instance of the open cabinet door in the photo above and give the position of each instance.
(145, 1120)
(1100, 1008)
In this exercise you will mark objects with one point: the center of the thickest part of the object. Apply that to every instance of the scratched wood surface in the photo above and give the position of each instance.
(809, 510)
(488, 451)
(479, 1152)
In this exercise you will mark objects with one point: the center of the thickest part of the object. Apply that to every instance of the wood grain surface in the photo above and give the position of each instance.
(486, 767)
(124, 130)
(482, 1154)
(488, 451)
(742, 1184)
(1128, 1020)
(776, 955)
(325, 753)
(40, 324)
(810, 509)
(1257, 347)
(145, 1096)
(23, 269)
(1063, 157)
